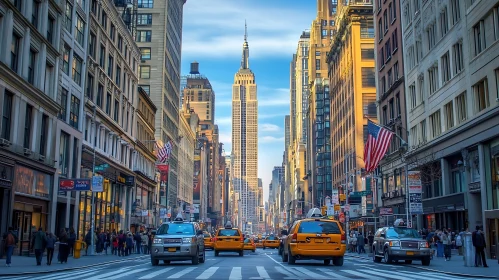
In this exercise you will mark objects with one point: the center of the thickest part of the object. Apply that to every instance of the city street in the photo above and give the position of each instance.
(263, 264)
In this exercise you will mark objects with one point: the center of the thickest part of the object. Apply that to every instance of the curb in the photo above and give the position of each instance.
(67, 269)
(436, 270)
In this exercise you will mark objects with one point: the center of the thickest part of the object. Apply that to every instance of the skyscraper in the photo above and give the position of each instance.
(245, 139)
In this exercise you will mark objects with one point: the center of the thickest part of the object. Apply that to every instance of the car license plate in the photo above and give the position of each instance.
(409, 253)
(172, 249)
(227, 239)
(320, 240)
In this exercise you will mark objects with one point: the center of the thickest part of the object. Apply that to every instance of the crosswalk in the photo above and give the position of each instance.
(238, 273)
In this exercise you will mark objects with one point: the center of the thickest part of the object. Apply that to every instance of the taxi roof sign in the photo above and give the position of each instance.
(399, 223)
(228, 224)
(179, 218)
(314, 213)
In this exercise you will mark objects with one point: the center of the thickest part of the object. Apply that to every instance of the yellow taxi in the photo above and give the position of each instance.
(271, 242)
(208, 240)
(315, 238)
(228, 239)
(249, 244)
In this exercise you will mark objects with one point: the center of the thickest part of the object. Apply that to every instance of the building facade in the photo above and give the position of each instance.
(352, 88)
(391, 101)
(188, 132)
(159, 37)
(29, 98)
(452, 78)
(245, 140)
(109, 119)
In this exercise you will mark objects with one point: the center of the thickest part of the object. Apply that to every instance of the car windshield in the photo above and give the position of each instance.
(176, 229)
(247, 240)
(402, 233)
(319, 227)
(228, 232)
(207, 235)
(271, 238)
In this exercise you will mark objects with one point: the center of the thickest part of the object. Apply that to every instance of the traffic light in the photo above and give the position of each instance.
(324, 210)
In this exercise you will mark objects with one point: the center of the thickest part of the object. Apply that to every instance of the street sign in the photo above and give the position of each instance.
(347, 207)
(362, 193)
(105, 165)
(343, 197)
(97, 184)
(75, 184)
(337, 207)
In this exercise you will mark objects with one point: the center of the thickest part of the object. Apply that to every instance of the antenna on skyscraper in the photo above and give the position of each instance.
(245, 31)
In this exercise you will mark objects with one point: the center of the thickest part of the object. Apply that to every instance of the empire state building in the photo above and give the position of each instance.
(245, 141)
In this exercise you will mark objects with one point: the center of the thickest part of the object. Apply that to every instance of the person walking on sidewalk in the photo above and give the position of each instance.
(360, 243)
(370, 241)
(11, 240)
(446, 241)
(38, 243)
(479, 243)
(50, 247)
(138, 241)
(63, 246)
(71, 240)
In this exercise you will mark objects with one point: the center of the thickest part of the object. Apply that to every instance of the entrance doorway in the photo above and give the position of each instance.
(26, 223)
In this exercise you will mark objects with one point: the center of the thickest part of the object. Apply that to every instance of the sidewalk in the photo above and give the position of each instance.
(453, 267)
(27, 265)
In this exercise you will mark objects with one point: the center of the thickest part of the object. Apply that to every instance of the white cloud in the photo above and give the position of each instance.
(224, 121)
(270, 139)
(216, 29)
(268, 127)
(225, 138)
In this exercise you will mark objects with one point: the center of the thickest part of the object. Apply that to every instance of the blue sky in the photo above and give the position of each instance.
(213, 34)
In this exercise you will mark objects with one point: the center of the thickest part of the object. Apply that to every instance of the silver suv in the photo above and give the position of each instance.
(178, 241)
(400, 243)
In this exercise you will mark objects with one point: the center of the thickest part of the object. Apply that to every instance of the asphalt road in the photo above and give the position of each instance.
(263, 264)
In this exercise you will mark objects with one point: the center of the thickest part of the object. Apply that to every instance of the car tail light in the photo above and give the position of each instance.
(343, 239)
(242, 239)
(294, 237)
(214, 239)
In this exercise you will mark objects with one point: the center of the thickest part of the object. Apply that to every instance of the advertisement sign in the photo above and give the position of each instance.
(163, 183)
(335, 199)
(97, 184)
(196, 192)
(195, 208)
(415, 192)
(75, 184)
(385, 211)
(355, 211)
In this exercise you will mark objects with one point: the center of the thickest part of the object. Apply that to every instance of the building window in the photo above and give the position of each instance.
(414, 135)
(419, 49)
(380, 30)
(431, 36)
(412, 95)
(457, 54)
(407, 14)
(32, 66)
(100, 95)
(50, 29)
(455, 11)
(91, 45)
(436, 126)
(64, 154)
(445, 63)
(64, 104)
(118, 76)
(368, 77)
(74, 114)
(110, 66)
(390, 78)
(146, 3)
(68, 17)
(116, 110)
(144, 36)
(108, 103)
(102, 59)
(416, 7)
(421, 94)
(80, 29)
(317, 64)
(145, 53)
(497, 82)
(144, 71)
(423, 131)
(112, 32)
(397, 105)
(77, 69)
(395, 41)
(146, 88)
(27, 126)
(396, 71)
(388, 49)
(449, 115)
(479, 37)
(90, 87)
(103, 20)
(385, 21)
(6, 115)
(444, 22)
(94, 6)
(481, 96)
(366, 29)
(461, 114)
(18, 5)
(144, 19)
(120, 43)
(433, 79)
(65, 59)
(14, 52)
(393, 11)
(367, 54)
(34, 13)
(43, 134)
(49, 79)
(410, 58)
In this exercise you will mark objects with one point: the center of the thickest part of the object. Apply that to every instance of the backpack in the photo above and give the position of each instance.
(10, 239)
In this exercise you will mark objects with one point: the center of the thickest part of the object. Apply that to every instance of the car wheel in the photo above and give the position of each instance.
(291, 258)
(154, 262)
(253, 251)
(327, 262)
(195, 259)
(166, 262)
(376, 259)
(203, 257)
(386, 257)
(425, 261)
(408, 261)
(216, 253)
(338, 261)
(241, 253)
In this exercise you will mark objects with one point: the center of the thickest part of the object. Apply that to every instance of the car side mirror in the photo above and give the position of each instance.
(284, 232)
(199, 232)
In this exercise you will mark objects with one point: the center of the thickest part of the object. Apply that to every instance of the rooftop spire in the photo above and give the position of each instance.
(245, 58)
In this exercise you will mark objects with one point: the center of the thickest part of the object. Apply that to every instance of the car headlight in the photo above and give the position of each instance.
(423, 244)
(187, 239)
(157, 241)
(394, 243)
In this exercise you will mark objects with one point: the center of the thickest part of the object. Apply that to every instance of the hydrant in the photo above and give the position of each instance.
(77, 249)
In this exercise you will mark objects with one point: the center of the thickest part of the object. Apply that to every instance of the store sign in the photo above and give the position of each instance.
(415, 192)
(75, 184)
(385, 211)
(33, 182)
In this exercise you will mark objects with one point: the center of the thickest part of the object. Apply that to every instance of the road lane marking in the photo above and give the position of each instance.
(262, 272)
(288, 274)
(208, 273)
(74, 275)
(295, 274)
(156, 273)
(331, 273)
(310, 273)
(181, 273)
(384, 274)
(127, 273)
(121, 270)
(363, 275)
(235, 273)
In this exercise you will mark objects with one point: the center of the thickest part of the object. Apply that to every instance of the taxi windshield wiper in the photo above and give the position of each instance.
(179, 232)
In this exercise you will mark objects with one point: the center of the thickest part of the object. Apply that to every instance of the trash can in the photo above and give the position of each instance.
(77, 249)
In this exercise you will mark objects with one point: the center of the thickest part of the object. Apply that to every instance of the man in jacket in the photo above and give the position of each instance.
(479, 243)
(10, 243)
(38, 243)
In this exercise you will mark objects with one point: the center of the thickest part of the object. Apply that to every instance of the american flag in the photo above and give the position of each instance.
(163, 151)
(378, 141)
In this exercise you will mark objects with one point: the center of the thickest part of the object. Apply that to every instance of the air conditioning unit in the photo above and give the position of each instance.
(41, 158)
(4, 142)
(27, 152)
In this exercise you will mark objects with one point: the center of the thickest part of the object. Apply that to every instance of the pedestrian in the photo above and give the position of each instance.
(370, 241)
(446, 242)
(10, 243)
(114, 251)
(63, 246)
(129, 244)
(88, 240)
(145, 248)
(121, 244)
(39, 242)
(478, 239)
(360, 243)
(71, 240)
(138, 241)
(50, 247)
(459, 244)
